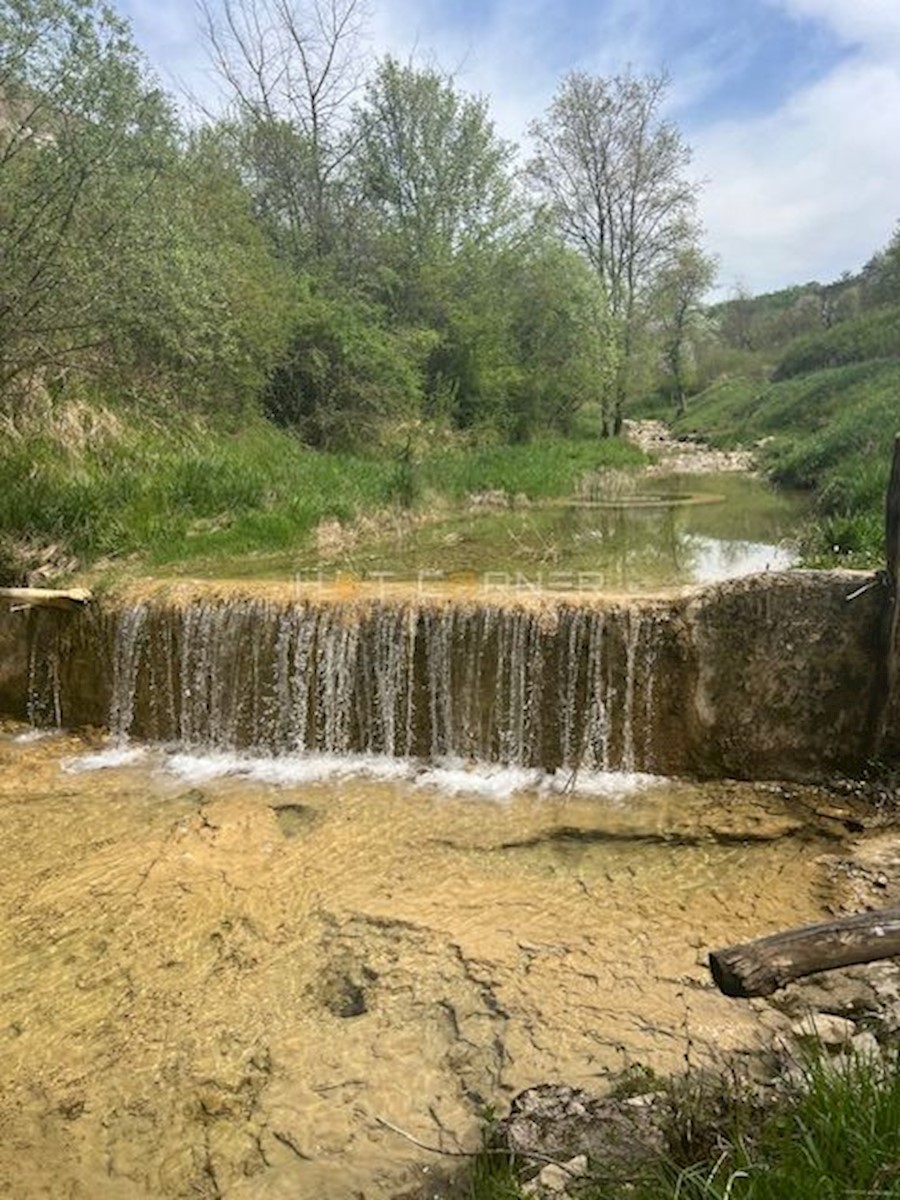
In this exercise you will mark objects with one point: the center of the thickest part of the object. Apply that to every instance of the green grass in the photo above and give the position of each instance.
(185, 491)
(832, 1135)
(537, 470)
(871, 336)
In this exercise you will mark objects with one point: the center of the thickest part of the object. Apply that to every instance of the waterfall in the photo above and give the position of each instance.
(567, 685)
(756, 678)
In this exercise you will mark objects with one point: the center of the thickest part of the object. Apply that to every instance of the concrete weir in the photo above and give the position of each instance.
(763, 677)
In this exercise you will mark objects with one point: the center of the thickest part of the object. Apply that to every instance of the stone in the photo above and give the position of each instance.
(555, 1178)
(865, 1045)
(563, 1123)
(825, 1029)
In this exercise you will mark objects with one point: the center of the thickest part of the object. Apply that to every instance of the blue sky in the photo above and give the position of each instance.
(792, 107)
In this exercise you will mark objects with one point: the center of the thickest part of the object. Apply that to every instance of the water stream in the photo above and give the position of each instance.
(349, 863)
(220, 973)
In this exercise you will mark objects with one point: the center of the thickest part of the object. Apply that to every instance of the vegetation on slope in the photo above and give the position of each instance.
(832, 1133)
(811, 378)
(109, 484)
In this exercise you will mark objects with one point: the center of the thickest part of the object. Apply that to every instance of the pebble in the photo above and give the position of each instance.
(554, 1179)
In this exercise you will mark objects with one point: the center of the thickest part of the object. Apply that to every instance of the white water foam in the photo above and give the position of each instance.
(285, 770)
(449, 776)
(34, 735)
(104, 760)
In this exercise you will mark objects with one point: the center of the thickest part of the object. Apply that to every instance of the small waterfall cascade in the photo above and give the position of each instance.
(565, 685)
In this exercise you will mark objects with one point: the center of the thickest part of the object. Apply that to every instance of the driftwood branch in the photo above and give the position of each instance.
(21, 598)
(762, 967)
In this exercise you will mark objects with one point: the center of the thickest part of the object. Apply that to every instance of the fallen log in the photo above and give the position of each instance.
(762, 967)
(21, 598)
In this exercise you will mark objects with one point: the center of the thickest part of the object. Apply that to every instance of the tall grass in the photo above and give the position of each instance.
(186, 491)
(541, 469)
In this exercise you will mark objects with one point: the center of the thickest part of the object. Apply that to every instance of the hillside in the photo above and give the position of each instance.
(810, 377)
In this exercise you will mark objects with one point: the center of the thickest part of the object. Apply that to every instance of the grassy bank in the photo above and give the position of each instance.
(91, 484)
(832, 1133)
(829, 429)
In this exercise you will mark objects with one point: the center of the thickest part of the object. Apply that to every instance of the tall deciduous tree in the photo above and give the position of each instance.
(680, 288)
(429, 163)
(291, 68)
(613, 174)
(83, 142)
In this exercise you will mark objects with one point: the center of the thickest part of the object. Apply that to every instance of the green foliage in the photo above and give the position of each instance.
(131, 259)
(881, 276)
(345, 376)
(84, 140)
(872, 335)
(429, 164)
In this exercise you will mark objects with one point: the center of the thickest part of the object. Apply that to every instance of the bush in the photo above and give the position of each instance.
(873, 335)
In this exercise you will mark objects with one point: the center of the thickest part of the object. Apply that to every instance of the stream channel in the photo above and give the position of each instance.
(232, 973)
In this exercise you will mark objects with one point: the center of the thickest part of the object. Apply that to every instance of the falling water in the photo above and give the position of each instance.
(565, 686)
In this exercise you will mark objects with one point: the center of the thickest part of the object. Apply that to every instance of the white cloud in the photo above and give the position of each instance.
(874, 24)
(812, 188)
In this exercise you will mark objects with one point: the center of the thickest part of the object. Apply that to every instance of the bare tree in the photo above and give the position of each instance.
(612, 173)
(291, 68)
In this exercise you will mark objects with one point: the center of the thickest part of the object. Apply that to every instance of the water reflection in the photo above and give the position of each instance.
(685, 530)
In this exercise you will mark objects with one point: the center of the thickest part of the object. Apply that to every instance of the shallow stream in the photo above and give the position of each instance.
(628, 532)
(231, 977)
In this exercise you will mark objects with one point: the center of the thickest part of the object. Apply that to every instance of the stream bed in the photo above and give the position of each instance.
(226, 976)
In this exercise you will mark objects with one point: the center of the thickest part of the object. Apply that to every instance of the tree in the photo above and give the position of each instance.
(680, 287)
(881, 275)
(83, 143)
(612, 173)
(429, 164)
(345, 377)
(563, 344)
(201, 307)
(291, 69)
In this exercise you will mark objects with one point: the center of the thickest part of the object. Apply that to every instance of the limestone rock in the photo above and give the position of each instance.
(554, 1179)
(825, 1029)
(563, 1123)
(865, 1045)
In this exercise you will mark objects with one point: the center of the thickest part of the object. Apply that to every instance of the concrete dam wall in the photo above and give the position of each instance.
(765, 677)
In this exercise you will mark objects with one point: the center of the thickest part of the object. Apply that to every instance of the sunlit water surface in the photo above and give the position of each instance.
(219, 976)
(633, 534)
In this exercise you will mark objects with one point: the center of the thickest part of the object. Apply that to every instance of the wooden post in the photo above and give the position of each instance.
(885, 684)
(762, 967)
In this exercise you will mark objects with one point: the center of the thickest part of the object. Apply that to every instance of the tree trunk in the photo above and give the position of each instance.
(762, 967)
(885, 683)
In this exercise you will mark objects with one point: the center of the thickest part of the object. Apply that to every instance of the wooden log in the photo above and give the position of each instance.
(762, 967)
(20, 598)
